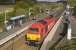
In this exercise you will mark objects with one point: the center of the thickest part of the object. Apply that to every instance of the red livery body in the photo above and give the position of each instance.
(39, 30)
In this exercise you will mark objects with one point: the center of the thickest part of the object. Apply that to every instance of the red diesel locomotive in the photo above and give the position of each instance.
(39, 30)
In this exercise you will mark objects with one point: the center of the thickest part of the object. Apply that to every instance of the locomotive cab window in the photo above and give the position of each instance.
(34, 29)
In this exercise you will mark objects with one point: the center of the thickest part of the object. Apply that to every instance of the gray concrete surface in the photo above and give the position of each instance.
(53, 36)
(73, 26)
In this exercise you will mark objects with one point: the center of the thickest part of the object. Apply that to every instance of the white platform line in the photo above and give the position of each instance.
(69, 32)
(13, 35)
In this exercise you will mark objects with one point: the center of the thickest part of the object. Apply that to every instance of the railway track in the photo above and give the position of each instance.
(18, 43)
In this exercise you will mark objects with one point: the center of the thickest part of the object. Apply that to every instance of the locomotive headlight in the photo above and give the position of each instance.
(28, 37)
(38, 37)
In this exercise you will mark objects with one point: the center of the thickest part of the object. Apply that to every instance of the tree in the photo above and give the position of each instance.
(73, 4)
(1, 19)
(25, 4)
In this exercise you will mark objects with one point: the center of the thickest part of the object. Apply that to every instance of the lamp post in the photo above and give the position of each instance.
(5, 19)
(5, 16)
(30, 13)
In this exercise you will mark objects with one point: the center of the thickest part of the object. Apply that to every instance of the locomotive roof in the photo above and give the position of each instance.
(48, 20)
(38, 25)
(42, 21)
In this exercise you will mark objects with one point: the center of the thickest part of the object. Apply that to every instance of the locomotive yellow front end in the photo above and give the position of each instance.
(33, 37)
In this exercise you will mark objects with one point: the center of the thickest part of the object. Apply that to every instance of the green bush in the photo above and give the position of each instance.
(1, 19)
